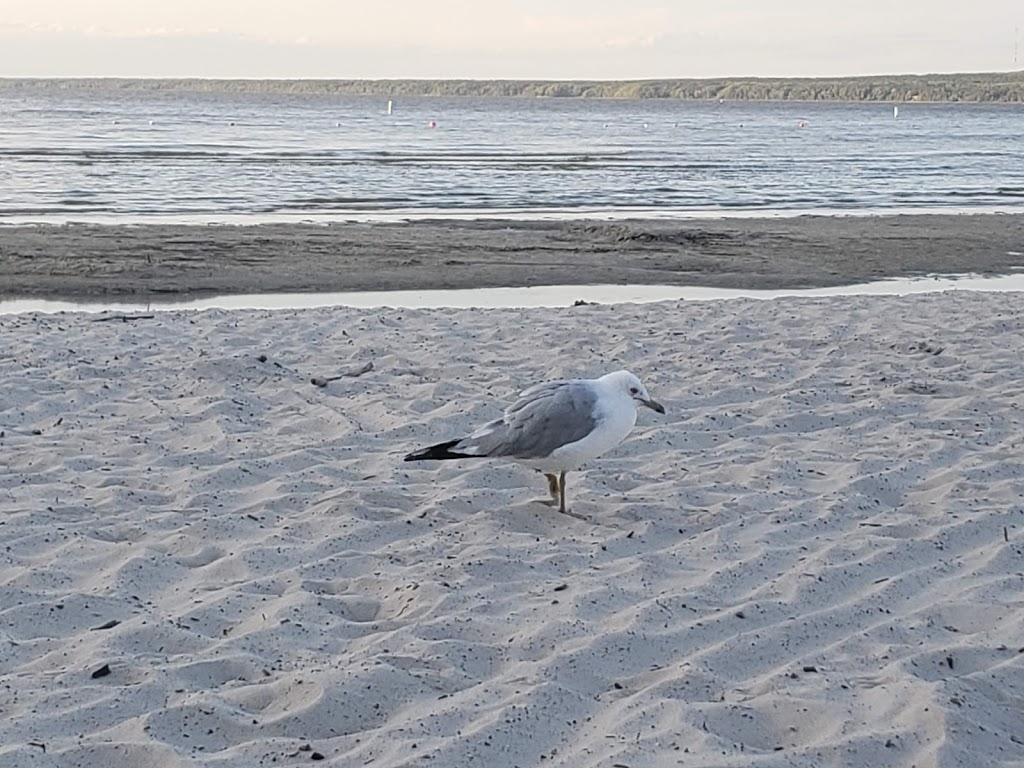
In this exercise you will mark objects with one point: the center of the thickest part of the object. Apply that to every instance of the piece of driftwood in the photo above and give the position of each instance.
(351, 373)
(122, 318)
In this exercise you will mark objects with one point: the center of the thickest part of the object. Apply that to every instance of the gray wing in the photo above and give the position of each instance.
(543, 419)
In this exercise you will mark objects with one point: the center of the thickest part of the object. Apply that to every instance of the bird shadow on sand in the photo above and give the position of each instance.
(537, 516)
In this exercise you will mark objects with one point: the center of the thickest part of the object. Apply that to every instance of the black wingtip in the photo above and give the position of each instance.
(438, 452)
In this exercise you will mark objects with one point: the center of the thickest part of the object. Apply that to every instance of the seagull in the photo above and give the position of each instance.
(555, 427)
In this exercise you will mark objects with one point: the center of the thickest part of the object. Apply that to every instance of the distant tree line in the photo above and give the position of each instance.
(974, 87)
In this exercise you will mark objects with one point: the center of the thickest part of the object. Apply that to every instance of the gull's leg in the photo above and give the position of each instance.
(556, 484)
(561, 500)
(552, 487)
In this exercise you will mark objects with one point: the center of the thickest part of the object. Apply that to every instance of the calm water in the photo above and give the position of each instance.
(243, 157)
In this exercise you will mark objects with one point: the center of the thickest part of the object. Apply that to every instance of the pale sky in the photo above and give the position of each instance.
(528, 39)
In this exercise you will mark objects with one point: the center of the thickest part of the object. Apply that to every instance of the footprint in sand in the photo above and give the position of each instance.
(205, 556)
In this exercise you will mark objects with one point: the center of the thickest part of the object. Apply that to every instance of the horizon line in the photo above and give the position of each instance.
(335, 78)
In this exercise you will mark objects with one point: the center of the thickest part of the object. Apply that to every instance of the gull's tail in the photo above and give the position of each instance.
(439, 452)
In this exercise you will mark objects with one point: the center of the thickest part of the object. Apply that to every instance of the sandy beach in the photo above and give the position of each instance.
(813, 559)
(150, 262)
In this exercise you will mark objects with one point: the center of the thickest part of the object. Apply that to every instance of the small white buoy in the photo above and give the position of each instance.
(896, 111)
(389, 106)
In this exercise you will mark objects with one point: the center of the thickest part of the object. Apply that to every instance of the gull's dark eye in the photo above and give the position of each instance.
(634, 391)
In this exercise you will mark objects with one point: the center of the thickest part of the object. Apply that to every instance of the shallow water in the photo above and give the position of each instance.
(537, 296)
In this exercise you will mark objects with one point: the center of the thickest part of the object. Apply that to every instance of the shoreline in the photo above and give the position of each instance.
(174, 262)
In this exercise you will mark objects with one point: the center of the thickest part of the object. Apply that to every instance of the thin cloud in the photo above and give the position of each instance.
(643, 41)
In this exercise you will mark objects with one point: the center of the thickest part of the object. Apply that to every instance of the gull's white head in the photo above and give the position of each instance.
(628, 384)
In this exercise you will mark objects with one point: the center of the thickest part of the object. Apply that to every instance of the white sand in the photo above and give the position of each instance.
(815, 559)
